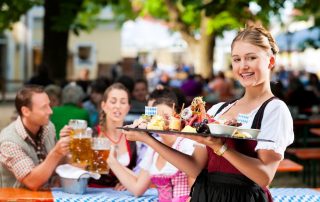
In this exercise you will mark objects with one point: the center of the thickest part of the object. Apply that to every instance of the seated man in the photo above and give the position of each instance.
(29, 153)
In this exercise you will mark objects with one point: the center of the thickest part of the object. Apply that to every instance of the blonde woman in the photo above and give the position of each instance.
(239, 170)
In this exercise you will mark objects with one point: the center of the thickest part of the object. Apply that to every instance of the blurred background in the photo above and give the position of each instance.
(175, 43)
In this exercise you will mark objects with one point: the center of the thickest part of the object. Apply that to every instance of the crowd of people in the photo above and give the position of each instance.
(210, 169)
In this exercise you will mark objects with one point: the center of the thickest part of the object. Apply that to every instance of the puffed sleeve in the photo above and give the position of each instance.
(276, 125)
(146, 161)
(187, 146)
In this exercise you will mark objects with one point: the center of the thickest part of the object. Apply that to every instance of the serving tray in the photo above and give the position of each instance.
(170, 132)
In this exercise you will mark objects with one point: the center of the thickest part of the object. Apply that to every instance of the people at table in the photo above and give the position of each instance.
(239, 170)
(115, 106)
(29, 153)
(171, 183)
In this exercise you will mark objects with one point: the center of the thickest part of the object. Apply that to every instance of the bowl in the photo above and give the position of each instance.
(74, 186)
(253, 132)
(220, 129)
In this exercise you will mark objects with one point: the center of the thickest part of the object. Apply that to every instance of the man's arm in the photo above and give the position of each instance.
(40, 174)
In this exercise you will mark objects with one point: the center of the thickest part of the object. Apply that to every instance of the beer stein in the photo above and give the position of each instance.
(80, 145)
(100, 152)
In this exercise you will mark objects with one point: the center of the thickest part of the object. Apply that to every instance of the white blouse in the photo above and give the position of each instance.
(148, 163)
(276, 125)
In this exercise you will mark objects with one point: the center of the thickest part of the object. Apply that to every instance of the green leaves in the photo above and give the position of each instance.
(11, 11)
(222, 21)
(306, 9)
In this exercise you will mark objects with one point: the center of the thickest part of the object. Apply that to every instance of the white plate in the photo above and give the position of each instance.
(220, 129)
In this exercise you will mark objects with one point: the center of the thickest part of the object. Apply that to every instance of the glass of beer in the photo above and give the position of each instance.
(80, 145)
(100, 153)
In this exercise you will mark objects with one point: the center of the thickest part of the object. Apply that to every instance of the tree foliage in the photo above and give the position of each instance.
(76, 15)
(304, 10)
(198, 21)
(201, 21)
(308, 8)
(11, 11)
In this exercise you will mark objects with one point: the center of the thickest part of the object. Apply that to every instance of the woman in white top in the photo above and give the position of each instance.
(239, 170)
(171, 183)
(115, 106)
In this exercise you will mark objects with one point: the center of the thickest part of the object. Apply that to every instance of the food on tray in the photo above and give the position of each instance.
(186, 113)
(157, 122)
(241, 134)
(252, 132)
(189, 129)
(142, 122)
(174, 123)
(194, 119)
(202, 127)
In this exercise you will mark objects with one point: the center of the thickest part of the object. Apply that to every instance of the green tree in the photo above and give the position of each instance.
(200, 22)
(306, 9)
(61, 16)
(11, 11)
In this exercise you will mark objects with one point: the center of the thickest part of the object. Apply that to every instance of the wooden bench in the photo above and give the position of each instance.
(287, 165)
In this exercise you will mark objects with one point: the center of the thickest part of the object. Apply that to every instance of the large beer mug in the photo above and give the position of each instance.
(80, 145)
(100, 153)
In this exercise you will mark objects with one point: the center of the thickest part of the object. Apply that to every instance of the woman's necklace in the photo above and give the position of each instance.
(113, 141)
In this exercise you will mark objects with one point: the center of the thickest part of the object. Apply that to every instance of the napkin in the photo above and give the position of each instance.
(72, 172)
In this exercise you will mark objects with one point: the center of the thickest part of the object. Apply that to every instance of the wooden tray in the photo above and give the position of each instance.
(169, 132)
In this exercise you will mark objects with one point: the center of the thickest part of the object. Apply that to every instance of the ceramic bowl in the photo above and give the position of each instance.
(220, 129)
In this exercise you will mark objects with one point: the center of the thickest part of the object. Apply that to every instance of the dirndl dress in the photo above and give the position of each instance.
(222, 182)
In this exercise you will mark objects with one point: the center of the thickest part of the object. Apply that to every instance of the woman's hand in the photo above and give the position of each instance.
(136, 136)
(120, 187)
(212, 142)
(112, 158)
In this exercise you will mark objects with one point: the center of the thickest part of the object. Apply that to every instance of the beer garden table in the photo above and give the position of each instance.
(302, 128)
(109, 195)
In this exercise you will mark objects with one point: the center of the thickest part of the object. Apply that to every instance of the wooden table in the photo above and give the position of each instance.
(278, 195)
(287, 165)
(303, 126)
(315, 131)
(15, 194)
(304, 122)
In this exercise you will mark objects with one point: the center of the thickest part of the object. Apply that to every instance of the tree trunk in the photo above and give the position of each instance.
(203, 50)
(55, 43)
(203, 56)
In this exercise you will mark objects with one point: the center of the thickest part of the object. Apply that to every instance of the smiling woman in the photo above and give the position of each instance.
(239, 170)
(115, 106)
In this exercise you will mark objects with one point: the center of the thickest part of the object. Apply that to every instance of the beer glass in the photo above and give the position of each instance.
(80, 145)
(100, 153)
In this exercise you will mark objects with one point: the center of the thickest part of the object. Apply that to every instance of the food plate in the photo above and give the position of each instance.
(190, 133)
(232, 130)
